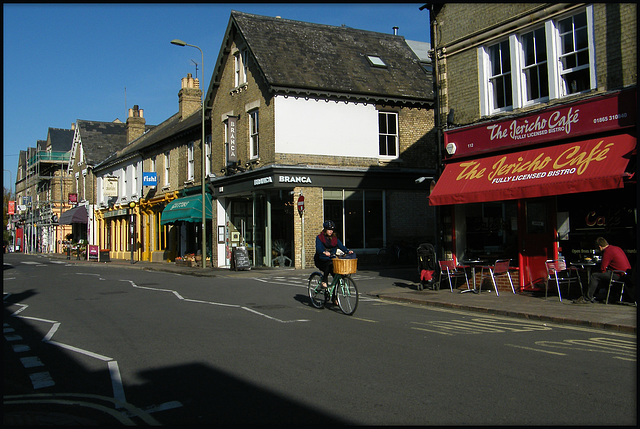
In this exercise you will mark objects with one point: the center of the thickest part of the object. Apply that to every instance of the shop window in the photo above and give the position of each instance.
(358, 216)
(491, 230)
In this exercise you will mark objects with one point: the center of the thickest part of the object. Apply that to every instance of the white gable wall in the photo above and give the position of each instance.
(318, 127)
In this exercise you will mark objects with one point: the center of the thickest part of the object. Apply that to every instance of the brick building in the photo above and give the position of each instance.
(42, 189)
(339, 116)
(537, 112)
(170, 154)
(93, 142)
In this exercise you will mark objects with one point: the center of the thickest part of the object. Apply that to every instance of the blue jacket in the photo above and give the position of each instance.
(330, 246)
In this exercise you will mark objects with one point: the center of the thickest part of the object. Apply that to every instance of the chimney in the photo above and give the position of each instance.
(189, 96)
(395, 30)
(135, 124)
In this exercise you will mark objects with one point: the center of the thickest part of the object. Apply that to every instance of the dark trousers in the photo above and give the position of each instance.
(326, 267)
(597, 280)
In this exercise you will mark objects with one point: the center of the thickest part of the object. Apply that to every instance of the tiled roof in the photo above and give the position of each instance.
(162, 133)
(61, 139)
(102, 139)
(313, 59)
(169, 129)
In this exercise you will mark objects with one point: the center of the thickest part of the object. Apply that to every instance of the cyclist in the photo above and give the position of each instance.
(326, 246)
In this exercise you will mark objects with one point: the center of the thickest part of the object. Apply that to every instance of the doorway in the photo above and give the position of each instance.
(537, 238)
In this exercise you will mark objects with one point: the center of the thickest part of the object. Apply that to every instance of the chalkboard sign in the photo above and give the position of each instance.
(240, 259)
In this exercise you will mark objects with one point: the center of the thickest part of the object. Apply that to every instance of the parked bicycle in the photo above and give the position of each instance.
(342, 289)
(396, 254)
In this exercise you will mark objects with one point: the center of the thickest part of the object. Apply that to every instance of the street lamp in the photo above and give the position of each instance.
(179, 42)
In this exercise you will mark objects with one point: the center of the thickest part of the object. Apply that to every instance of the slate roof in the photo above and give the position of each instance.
(61, 139)
(165, 132)
(303, 58)
(101, 139)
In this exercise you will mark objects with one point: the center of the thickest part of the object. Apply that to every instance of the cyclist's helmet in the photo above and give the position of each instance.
(329, 224)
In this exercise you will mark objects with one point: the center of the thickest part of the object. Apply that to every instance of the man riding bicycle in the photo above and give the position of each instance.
(327, 244)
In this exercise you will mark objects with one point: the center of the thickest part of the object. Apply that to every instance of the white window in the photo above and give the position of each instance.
(500, 76)
(240, 67)
(208, 143)
(253, 134)
(574, 61)
(388, 134)
(134, 179)
(542, 63)
(535, 83)
(166, 168)
(190, 161)
(123, 173)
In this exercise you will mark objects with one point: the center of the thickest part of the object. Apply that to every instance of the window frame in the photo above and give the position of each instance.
(167, 167)
(254, 133)
(396, 135)
(555, 81)
(190, 161)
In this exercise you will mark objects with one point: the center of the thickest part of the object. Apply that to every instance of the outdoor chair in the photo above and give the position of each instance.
(558, 271)
(452, 271)
(622, 280)
(500, 268)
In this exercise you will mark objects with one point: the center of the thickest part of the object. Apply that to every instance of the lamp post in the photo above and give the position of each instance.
(179, 42)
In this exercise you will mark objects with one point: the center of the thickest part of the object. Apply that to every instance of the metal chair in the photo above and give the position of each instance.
(555, 270)
(622, 280)
(500, 268)
(453, 271)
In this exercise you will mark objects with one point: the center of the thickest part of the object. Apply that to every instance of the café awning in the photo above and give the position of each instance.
(186, 209)
(583, 166)
(75, 215)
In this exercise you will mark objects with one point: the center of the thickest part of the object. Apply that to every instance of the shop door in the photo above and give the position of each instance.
(536, 241)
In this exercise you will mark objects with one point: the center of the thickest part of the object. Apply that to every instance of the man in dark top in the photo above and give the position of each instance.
(613, 258)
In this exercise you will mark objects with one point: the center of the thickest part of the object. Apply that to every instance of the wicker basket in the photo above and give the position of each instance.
(345, 266)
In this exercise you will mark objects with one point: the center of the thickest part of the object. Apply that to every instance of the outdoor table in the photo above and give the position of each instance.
(473, 263)
(586, 266)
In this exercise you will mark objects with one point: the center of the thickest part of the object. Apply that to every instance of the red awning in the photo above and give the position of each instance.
(583, 166)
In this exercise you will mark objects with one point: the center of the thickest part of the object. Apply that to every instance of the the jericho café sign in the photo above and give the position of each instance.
(596, 115)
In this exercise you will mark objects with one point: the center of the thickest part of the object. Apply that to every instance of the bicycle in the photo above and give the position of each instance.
(342, 288)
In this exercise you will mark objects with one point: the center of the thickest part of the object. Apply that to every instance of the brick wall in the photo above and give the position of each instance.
(615, 27)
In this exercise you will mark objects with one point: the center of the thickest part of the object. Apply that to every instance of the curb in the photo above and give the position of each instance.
(516, 314)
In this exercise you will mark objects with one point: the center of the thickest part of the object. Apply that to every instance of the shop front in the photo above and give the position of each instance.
(259, 210)
(185, 215)
(542, 186)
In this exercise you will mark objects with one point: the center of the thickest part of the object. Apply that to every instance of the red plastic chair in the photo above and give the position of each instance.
(500, 268)
(453, 271)
(558, 271)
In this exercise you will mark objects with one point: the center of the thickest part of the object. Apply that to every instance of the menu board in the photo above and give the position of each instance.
(240, 259)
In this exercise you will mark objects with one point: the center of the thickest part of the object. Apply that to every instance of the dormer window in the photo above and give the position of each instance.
(376, 61)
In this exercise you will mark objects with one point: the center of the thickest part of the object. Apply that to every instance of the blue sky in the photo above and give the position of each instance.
(64, 62)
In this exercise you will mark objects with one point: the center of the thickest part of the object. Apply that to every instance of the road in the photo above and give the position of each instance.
(159, 348)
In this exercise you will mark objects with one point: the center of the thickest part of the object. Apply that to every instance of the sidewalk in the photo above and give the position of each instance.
(400, 285)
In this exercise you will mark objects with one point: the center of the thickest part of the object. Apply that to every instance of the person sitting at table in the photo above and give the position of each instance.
(613, 258)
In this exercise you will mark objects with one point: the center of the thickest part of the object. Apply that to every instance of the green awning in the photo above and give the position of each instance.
(187, 209)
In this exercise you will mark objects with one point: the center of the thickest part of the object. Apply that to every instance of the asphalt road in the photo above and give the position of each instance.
(144, 347)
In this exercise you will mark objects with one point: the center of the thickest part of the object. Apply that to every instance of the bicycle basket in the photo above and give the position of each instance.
(345, 266)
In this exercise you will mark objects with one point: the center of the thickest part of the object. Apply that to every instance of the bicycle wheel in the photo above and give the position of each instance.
(384, 257)
(316, 292)
(347, 295)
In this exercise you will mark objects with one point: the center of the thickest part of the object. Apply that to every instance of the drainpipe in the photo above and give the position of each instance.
(436, 92)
